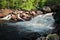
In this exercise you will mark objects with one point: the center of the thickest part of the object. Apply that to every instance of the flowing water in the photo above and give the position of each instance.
(42, 24)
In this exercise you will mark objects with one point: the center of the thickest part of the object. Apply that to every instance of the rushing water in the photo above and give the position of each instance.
(41, 24)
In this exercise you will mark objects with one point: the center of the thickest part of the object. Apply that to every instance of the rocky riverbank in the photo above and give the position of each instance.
(22, 15)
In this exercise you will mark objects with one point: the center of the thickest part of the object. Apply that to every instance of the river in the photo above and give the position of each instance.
(41, 24)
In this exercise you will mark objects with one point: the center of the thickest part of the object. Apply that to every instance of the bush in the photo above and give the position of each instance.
(29, 4)
(42, 3)
(22, 4)
(26, 4)
(3, 3)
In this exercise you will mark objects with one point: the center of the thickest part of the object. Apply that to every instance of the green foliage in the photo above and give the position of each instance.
(56, 2)
(13, 4)
(36, 3)
(22, 4)
(26, 4)
(3, 3)
(42, 3)
(29, 4)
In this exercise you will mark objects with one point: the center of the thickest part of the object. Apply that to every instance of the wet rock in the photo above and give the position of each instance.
(46, 9)
(53, 7)
(14, 17)
(33, 13)
(39, 12)
(25, 16)
(41, 38)
(8, 17)
(52, 37)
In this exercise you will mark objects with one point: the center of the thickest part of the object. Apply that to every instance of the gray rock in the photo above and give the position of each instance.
(39, 12)
(52, 37)
(47, 9)
(41, 38)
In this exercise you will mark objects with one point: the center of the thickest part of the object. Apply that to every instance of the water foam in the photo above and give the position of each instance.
(41, 23)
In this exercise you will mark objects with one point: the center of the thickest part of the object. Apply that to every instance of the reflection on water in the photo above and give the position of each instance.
(41, 24)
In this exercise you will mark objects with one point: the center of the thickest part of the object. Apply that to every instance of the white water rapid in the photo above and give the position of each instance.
(41, 23)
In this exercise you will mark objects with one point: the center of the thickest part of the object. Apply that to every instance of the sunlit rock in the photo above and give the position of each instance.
(8, 17)
(5, 12)
(39, 12)
(33, 13)
(52, 37)
(26, 16)
(47, 9)
(14, 17)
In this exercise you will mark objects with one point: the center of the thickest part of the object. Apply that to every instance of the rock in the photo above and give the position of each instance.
(41, 38)
(15, 11)
(5, 12)
(8, 17)
(19, 17)
(52, 37)
(25, 16)
(33, 13)
(53, 7)
(46, 9)
(14, 17)
(20, 11)
(2, 15)
(27, 12)
(49, 37)
(39, 12)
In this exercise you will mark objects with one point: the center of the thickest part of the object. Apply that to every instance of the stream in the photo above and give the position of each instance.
(41, 24)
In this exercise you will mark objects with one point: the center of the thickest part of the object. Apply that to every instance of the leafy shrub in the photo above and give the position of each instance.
(3, 3)
(26, 4)
(22, 4)
(42, 3)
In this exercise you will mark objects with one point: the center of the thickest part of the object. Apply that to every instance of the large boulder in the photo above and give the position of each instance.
(52, 37)
(4, 12)
(46, 9)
